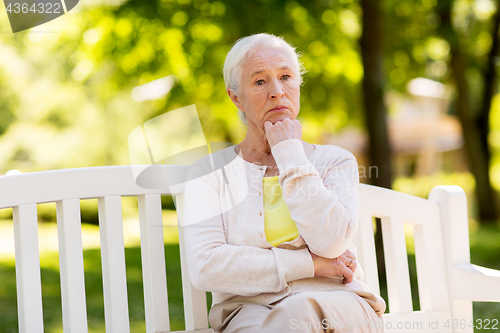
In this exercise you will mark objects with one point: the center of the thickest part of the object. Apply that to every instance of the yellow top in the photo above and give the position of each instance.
(279, 226)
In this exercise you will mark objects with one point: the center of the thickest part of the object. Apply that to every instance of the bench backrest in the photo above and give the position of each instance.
(440, 231)
(108, 184)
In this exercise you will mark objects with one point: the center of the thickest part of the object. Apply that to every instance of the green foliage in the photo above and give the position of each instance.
(422, 186)
(70, 103)
(65, 96)
(77, 110)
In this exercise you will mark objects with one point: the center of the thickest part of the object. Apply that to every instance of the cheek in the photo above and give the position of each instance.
(255, 99)
(252, 96)
(293, 92)
(259, 90)
(256, 91)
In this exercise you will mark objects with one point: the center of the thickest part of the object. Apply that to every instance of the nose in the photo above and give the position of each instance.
(276, 89)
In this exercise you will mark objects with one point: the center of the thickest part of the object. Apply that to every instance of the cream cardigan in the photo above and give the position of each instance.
(227, 251)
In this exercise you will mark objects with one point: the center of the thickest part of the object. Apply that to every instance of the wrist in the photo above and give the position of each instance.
(316, 264)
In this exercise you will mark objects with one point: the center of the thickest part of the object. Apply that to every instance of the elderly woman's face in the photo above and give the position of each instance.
(269, 87)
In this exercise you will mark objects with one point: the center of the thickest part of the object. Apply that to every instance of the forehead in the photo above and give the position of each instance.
(267, 59)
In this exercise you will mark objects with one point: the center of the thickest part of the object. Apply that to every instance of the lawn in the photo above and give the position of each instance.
(93, 282)
(485, 251)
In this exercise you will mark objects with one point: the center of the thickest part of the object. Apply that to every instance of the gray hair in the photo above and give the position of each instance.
(242, 49)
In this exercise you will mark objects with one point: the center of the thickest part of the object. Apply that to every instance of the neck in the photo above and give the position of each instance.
(255, 148)
(255, 143)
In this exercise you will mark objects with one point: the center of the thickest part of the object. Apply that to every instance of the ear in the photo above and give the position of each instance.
(235, 99)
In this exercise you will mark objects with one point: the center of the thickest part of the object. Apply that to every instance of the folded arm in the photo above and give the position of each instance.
(214, 265)
(323, 203)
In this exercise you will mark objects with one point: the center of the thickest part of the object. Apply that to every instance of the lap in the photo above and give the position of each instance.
(248, 319)
(317, 311)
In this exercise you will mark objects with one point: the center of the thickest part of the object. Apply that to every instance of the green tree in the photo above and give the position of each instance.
(474, 120)
(90, 66)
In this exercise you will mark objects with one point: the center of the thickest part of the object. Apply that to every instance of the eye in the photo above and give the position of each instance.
(259, 82)
(285, 77)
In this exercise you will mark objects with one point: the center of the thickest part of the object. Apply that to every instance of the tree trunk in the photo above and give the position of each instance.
(379, 151)
(477, 151)
(489, 83)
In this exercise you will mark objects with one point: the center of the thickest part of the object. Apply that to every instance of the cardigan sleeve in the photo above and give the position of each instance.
(214, 265)
(323, 203)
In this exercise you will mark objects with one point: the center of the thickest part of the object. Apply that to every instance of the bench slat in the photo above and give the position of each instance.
(29, 288)
(71, 266)
(153, 263)
(382, 202)
(86, 183)
(396, 262)
(431, 266)
(454, 220)
(113, 265)
(195, 301)
(365, 244)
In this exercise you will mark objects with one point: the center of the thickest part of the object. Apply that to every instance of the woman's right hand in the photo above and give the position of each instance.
(344, 265)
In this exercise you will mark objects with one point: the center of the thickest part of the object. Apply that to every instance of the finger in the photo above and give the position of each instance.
(348, 275)
(349, 254)
(354, 266)
(347, 261)
(268, 125)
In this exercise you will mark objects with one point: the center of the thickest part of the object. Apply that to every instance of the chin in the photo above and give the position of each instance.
(279, 117)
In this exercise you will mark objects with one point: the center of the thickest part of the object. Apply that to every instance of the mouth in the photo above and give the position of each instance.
(279, 108)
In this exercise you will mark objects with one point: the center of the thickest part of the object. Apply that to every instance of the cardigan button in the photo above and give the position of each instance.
(260, 213)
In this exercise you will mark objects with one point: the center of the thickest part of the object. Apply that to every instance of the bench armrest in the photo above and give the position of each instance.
(475, 283)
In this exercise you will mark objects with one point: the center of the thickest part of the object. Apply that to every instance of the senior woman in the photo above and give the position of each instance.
(269, 232)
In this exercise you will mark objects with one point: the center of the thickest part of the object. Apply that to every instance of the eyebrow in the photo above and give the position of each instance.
(260, 71)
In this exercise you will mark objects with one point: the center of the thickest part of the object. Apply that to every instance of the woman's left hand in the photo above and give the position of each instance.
(344, 265)
(282, 130)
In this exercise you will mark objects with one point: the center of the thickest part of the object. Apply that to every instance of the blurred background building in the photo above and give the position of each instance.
(424, 139)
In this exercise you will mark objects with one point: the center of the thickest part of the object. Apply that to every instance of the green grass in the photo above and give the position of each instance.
(93, 283)
(485, 251)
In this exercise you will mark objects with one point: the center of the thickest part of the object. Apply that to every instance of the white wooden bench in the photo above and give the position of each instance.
(447, 281)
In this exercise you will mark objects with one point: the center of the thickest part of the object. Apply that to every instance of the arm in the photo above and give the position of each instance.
(214, 265)
(325, 211)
